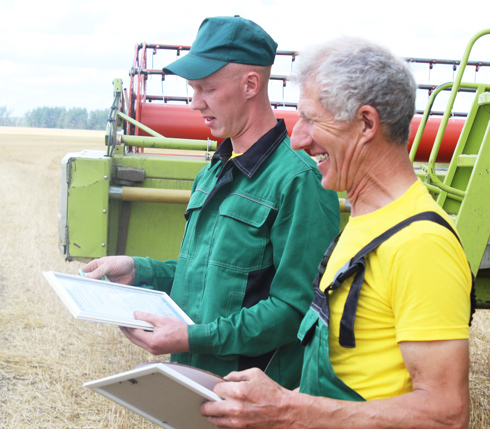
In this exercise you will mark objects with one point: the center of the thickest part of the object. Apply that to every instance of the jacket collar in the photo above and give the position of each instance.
(259, 152)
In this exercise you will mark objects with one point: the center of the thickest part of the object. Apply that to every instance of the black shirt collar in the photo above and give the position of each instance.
(257, 154)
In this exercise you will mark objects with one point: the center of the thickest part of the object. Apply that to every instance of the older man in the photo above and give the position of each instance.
(387, 333)
(250, 245)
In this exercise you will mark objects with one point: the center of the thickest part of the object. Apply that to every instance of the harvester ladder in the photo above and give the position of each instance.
(469, 172)
(463, 190)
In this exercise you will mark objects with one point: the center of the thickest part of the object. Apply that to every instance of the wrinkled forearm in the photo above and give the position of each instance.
(414, 409)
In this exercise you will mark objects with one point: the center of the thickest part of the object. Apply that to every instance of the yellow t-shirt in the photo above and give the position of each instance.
(416, 288)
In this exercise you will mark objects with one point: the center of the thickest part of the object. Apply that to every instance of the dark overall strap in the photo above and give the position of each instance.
(357, 265)
(319, 303)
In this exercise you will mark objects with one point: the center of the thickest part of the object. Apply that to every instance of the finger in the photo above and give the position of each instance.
(136, 336)
(93, 265)
(154, 319)
(220, 422)
(90, 266)
(94, 270)
(245, 375)
(225, 390)
(96, 274)
(128, 332)
(218, 415)
(214, 409)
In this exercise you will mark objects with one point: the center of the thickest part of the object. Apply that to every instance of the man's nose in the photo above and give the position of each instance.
(197, 102)
(300, 138)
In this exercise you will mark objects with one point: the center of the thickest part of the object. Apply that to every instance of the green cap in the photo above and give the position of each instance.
(222, 40)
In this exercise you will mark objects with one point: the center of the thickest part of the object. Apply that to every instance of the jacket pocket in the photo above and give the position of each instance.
(197, 200)
(241, 239)
(245, 209)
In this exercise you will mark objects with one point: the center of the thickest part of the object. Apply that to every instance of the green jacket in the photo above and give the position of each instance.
(257, 227)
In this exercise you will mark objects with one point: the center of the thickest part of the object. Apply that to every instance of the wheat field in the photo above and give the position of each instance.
(46, 355)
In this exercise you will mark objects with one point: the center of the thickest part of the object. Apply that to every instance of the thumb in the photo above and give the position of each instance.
(95, 274)
(92, 270)
(147, 317)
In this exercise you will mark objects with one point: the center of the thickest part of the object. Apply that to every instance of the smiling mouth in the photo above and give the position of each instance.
(208, 119)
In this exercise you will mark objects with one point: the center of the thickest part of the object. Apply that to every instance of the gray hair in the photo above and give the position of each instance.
(353, 72)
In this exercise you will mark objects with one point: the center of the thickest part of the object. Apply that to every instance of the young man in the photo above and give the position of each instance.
(251, 246)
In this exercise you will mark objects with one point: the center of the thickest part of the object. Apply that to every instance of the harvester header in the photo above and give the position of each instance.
(131, 199)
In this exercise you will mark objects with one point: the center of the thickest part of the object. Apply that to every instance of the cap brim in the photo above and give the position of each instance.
(193, 67)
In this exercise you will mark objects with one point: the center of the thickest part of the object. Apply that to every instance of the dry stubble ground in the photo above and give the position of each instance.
(46, 355)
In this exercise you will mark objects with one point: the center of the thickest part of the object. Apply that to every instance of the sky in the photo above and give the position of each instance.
(66, 53)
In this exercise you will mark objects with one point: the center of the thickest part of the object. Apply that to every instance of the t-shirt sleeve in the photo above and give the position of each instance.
(431, 302)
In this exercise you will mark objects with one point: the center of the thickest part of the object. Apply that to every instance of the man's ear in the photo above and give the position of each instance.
(369, 121)
(252, 84)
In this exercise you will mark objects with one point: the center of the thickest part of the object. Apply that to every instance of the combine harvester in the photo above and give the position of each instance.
(132, 198)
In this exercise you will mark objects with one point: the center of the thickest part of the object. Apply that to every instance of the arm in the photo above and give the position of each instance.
(158, 275)
(440, 397)
(133, 271)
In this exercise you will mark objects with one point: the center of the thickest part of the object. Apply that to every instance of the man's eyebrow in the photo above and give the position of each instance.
(305, 115)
